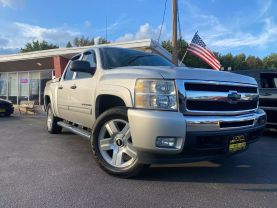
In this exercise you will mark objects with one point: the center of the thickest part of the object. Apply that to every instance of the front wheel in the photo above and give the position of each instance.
(52, 121)
(112, 144)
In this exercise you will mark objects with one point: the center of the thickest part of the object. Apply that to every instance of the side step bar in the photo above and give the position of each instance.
(75, 130)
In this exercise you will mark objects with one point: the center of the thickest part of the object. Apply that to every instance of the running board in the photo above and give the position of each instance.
(75, 130)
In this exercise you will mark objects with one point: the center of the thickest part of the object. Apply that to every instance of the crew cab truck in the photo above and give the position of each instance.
(267, 82)
(139, 109)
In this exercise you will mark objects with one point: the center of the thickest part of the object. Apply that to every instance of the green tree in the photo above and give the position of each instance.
(190, 60)
(270, 62)
(36, 45)
(83, 41)
(68, 45)
(254, 62)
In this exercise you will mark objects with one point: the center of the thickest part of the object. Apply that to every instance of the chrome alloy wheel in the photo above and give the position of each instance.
(115, 144)
(49, 119)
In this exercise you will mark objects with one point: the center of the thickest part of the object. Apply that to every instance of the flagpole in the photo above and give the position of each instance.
(186, 51)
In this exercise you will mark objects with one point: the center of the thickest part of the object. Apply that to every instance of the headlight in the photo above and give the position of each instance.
(156, 94)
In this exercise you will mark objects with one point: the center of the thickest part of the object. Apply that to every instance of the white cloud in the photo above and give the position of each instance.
(18, 34)
(12, 3)
(87, 23)
(265, 6)
(144, 31)
(267, 36)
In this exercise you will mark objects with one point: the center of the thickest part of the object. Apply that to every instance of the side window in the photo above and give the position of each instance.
(91, 58)
(69, 74)
(268, 80)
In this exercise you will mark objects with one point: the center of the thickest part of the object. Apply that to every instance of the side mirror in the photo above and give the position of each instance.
(82, 66)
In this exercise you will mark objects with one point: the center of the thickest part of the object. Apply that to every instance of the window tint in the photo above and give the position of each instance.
(269, 80)
(119, 57)
(275, 81)
(69, 74)
(91, 58)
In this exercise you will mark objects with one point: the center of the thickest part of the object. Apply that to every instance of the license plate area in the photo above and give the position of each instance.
(237, 143)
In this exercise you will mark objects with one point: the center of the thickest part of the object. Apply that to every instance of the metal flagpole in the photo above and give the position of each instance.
(186, 51)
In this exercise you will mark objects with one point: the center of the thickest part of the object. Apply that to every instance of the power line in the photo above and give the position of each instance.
(165, 6)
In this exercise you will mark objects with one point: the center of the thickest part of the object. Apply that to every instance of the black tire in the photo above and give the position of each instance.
(7, 114)
(52, 125)
(135, 168)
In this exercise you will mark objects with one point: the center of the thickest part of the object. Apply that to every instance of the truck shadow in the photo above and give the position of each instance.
(239, 169)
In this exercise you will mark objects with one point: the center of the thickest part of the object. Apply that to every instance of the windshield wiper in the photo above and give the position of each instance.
(132, 59)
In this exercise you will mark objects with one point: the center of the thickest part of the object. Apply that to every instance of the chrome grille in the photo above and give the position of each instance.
(199, 97)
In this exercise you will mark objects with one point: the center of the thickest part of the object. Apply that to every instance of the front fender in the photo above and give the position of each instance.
(119, 91)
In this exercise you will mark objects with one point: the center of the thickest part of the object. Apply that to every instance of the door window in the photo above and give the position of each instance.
(68, 73)
(91, 58)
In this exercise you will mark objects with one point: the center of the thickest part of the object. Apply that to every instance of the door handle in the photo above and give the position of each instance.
(73, 87)
(60, 87)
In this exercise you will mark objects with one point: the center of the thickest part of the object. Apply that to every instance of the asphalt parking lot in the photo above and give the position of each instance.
(42, 170)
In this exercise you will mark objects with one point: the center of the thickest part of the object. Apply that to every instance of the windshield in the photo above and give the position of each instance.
(119, 57)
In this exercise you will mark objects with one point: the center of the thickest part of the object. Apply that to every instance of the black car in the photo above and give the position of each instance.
(6, 107)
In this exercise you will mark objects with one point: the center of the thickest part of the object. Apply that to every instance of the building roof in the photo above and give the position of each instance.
(39, 60)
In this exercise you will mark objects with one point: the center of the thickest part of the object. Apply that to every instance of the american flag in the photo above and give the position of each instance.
(200, 49)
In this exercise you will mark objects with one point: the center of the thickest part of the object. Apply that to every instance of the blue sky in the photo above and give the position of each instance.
(248, 26)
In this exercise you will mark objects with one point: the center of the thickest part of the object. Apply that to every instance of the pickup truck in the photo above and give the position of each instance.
(139, 109)
(267, 82)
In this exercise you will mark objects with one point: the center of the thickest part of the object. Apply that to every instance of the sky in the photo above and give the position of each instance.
(234, 26)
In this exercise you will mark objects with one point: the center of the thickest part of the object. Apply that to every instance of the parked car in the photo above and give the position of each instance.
(6, 107)
(139, 109)
(267, 80)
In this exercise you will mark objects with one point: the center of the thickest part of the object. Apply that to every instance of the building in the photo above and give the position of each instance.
(23, 76)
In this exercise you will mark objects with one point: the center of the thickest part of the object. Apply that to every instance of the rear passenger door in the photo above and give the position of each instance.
(82, 97)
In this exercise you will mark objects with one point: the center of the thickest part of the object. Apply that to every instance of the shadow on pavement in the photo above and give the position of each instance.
(235, 170)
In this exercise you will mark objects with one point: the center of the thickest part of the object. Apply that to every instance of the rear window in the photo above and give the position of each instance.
(119, 57)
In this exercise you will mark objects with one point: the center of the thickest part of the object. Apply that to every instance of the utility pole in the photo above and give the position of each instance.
(174, 33)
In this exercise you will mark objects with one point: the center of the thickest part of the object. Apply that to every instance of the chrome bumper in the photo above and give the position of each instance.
(147, 125)
(213, 123)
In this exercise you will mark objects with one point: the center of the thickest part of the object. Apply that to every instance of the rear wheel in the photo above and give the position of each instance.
(52, 121)
(112, 144)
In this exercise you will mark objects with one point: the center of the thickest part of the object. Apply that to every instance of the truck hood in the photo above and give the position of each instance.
(206, 75)
(183, 73)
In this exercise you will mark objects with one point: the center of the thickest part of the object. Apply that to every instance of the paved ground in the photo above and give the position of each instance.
(42, 170)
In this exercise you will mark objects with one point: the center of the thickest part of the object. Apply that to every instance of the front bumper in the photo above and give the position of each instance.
(198, 137)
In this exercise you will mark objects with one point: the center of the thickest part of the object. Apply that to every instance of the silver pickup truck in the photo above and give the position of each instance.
(139, 109)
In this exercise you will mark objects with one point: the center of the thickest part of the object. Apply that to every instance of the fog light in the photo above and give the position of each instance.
(262, 120)
(166, 142)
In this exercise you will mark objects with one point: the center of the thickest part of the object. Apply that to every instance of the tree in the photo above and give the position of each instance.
(254, 62)
(68, 45)
(270, 62)
(82, 41)
(37, 46)
(190, 60)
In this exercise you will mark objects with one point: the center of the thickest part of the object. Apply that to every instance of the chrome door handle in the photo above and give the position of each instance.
(60, 87)
(73, 87)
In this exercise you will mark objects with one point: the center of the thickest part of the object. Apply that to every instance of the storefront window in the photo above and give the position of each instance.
(3, 85)
(18, 86)
(23, 86)
(34, 86)
(12, 87)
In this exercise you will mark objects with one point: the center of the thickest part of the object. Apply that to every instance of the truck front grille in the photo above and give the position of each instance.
(220, 106)
(218, 98)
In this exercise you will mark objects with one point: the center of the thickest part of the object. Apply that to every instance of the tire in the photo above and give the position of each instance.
(112, 144)
(7, 114)
(52, 121)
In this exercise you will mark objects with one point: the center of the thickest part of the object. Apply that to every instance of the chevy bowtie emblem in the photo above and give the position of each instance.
(234, 96)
